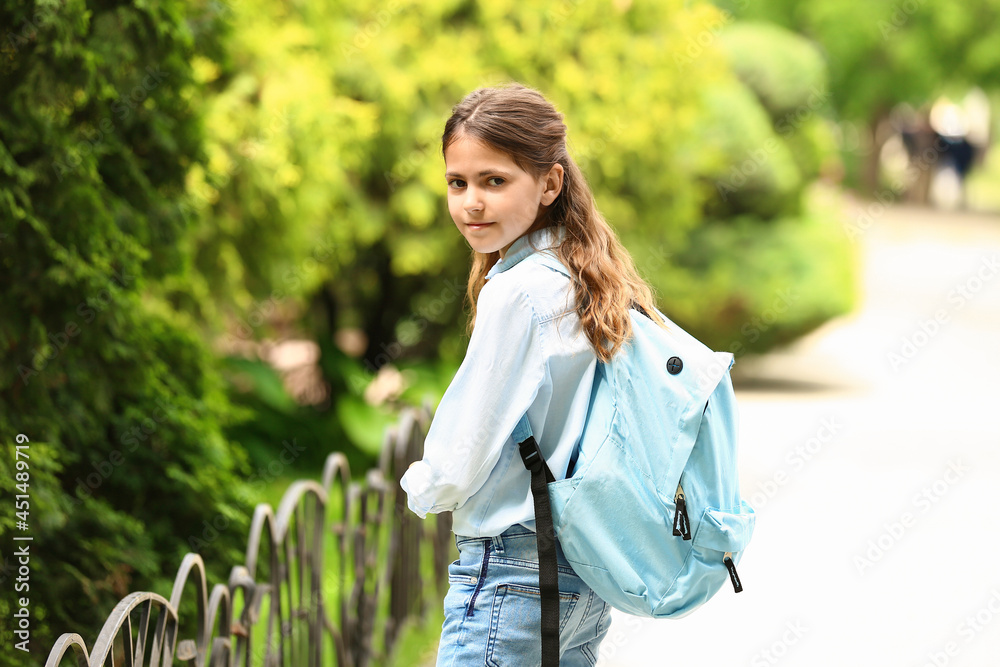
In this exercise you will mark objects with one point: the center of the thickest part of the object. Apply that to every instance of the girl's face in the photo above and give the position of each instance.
(493, 201)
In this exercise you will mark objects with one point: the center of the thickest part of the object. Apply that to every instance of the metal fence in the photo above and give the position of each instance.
(295, 601)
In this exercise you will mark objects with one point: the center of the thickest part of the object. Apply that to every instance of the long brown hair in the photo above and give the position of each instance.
(520, 122)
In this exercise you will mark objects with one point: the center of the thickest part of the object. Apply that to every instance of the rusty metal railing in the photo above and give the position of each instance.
(295, 601)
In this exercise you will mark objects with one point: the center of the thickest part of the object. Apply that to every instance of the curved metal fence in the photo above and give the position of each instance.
(329, 578)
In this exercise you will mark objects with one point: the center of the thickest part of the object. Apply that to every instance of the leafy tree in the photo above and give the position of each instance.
(887, 52)
(769, 261)
(324, 212)
(354, 166)
(119, 396)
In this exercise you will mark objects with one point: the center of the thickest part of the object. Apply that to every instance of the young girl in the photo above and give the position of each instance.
(536, 339)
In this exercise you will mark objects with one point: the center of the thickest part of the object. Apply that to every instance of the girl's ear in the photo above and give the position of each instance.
(553, 184)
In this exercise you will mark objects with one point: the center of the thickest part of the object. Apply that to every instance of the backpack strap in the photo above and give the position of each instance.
(545, 539)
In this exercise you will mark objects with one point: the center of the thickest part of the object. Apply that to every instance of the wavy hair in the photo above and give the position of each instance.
(520, 122)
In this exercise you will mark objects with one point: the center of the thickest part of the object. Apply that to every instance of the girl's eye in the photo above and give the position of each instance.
(456, 183)
(495, 180)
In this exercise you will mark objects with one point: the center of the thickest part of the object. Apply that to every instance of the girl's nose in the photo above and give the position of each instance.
(473, 202)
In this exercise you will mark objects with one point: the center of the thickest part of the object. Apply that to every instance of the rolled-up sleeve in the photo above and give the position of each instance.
(497, 382)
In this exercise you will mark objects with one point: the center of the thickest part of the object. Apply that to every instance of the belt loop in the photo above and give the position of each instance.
(497, 544)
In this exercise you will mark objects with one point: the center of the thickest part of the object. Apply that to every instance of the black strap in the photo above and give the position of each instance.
(635, 304)
(545, 538)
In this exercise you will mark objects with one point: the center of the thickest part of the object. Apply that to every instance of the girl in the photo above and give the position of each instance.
(536, 339)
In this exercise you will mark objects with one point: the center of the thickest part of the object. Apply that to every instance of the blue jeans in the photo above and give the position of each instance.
(492, 612)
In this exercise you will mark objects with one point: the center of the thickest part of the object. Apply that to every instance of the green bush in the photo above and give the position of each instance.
(118, 394)
(744, 285)
(354, 166)
(767, 265)
(786, 71)
(754, 171)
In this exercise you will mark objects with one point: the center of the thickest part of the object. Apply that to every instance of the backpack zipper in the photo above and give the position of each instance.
(682, 527)
(735, 578)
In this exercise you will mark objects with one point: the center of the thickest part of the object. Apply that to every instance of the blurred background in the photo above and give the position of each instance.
(223, 237)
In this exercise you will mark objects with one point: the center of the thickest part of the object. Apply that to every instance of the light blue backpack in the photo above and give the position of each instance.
(649, 514)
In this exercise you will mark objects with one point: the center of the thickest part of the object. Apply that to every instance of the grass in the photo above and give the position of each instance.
(418, 641)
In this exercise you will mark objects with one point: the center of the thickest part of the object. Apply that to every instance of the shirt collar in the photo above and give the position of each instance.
(546, 237)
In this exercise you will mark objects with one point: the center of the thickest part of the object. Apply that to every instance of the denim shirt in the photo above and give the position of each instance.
(528, 353)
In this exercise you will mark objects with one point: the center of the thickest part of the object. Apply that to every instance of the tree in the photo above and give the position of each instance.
(120, 399)
(354, 166)
(888, 52)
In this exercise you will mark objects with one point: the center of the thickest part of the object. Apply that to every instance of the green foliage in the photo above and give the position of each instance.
(753, 169)
(354, 167)
(813, 147)
(764, 284)
(783, 69)
(353, 426)
(768, 129)
(883, 52)
(326, 211)
(886, 52)
(749, 277)
(119, 396)
(356, 163)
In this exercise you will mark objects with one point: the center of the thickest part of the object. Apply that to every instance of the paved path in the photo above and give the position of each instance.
(871, 450)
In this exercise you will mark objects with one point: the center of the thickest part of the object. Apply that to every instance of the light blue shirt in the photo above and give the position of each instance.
(528, 353)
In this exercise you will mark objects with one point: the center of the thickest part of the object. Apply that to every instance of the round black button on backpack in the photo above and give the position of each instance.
(674, 365)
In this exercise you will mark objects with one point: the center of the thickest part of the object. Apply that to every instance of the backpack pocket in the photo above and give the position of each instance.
(718, 538)
(724, 531)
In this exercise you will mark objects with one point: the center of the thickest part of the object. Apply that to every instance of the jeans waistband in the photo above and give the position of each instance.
(515, 536)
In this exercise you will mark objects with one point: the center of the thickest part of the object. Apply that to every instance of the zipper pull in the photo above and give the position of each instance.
(735, 578)
(682, 527)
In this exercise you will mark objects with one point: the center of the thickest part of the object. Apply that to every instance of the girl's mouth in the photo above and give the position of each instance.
(478, 225)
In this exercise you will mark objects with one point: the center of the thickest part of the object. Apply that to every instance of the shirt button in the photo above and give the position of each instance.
(674, 365)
